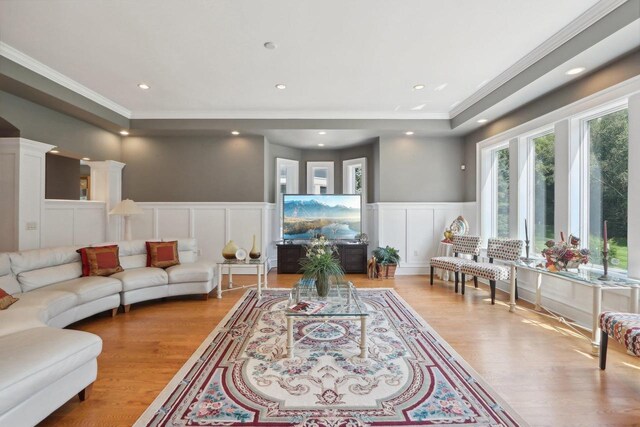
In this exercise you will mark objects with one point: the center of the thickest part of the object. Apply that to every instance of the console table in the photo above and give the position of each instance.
(352, 257)
(591, 280)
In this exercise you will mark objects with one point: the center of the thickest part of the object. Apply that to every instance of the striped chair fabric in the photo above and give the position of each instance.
(622, 327)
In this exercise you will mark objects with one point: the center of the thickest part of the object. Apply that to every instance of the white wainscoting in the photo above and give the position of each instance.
(415, 229)
(73, 223)
(213, 224)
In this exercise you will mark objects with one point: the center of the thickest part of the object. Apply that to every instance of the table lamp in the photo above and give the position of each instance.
(126, 208)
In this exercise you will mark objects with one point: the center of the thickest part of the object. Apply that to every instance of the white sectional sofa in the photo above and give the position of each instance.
(42, 366)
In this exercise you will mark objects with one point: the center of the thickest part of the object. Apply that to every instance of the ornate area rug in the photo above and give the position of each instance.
(240, 375)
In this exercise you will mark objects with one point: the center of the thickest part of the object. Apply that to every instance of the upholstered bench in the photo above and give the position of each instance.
(624, 328)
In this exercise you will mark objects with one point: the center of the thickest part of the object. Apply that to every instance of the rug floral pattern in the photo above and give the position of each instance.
(410, 376)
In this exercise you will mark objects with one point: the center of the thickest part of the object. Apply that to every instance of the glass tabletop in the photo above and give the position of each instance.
(582, 275)
(343, 300)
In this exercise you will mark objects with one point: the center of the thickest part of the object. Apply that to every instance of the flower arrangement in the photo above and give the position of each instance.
(321, 265)
(564, 255)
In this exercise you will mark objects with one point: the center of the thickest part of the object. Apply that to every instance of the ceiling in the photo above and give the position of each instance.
(339, 59)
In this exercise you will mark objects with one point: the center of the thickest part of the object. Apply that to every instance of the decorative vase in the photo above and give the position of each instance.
(229, 251)
(322, 286)
(254, 253)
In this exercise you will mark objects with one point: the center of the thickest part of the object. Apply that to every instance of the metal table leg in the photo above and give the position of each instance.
(219, 290)
(512, 292)
(595, 327)
(363, 337)
(290, 337)
(538, 306)
(259, 273)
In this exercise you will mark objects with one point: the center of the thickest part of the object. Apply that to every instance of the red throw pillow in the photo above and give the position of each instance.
(100, 260)
(162, 254)
(6, 300)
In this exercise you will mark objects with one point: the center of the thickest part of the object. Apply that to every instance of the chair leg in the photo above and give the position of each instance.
(516, 280)
(456, 277)
(462, 284)
(604, 338)
(475, 281)
(492, 283)
(432, 276)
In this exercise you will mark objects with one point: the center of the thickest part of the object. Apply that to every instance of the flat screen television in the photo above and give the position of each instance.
(336, 216)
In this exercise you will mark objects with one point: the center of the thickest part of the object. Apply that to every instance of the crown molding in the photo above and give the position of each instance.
(588, 18)
(38, 67)
(316, 115)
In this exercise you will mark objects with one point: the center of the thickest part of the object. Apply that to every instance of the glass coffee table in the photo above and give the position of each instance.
(343, 302)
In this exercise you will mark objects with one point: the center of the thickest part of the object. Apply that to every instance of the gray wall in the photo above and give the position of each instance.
(72, 135)
(617, 71)
(421, 170)
(193, 169)
(62, 178)
(470, 172)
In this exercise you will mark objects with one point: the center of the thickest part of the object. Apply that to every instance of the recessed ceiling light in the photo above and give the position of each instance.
(54, 151)
(574, 71)
(124, 133)
(320, 145)
(440, 87)
(483, 120)
(322, 132)
(270, 45)
(409, 133)
(235, 132)
(143, 86)
(281, 86)
(86, 158)
(418, 87)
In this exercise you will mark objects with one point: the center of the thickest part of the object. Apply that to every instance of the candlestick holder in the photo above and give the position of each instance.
(526, 249)
(605, 264)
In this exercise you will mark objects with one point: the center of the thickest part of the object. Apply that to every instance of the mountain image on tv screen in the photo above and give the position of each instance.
(334, 216)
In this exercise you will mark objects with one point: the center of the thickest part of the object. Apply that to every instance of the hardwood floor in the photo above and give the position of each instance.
(538, 366)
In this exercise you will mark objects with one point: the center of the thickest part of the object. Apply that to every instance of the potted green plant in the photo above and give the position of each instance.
(389, 258)
(321, 265)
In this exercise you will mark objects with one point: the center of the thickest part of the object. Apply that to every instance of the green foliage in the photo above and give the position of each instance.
(609, 180)
(503, 192)
(358, 174)
(544, 192)
(320, 262)
(386, 255)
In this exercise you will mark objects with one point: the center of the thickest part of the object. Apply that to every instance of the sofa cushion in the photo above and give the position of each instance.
(137, 278)
(100, 260)
(34, 358)
(162, 254)
(6, 299)
(34, 309)
(8, 281)
(192, 272)
(41, 258)
(89, 288)
(34, 279)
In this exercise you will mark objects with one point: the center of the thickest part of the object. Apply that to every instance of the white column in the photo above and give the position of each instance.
(22, 192)
(562, 198)
(633, 213)
(106, 186)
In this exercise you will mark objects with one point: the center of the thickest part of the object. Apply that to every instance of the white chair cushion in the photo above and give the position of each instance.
(487, 270)
(35, 279)
(90, 288)
(34, 358)
(137, 278)
(192, 272)
(449, 263)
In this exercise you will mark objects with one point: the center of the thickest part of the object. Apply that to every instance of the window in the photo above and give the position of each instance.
(543, 148)
(502, 192)
(286, 182)
(354, 176)
(606, 160)
(319, 177)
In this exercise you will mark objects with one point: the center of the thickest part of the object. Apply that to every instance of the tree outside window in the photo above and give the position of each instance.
(544, 190)
(608, 185)
(502, 219)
